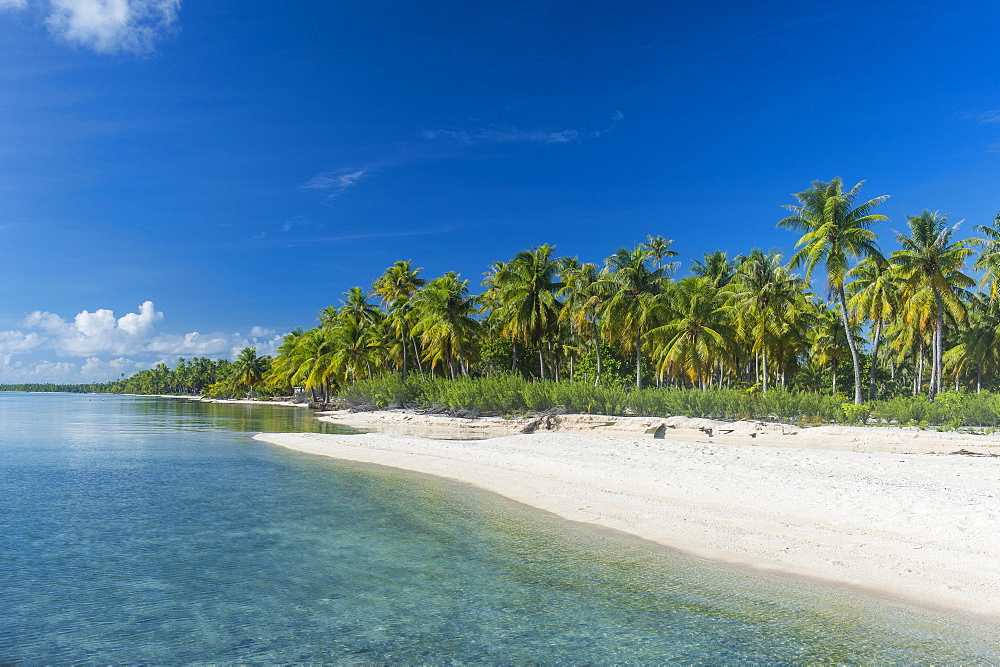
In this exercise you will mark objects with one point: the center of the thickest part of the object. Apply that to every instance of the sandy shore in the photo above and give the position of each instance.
(870, 509)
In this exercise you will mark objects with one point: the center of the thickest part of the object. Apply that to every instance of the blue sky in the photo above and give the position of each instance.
(185, 178)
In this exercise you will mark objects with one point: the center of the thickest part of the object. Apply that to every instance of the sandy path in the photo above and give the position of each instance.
(916, 527)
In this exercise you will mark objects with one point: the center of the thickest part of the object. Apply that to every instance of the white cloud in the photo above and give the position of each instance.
(12, 342)
(132, 340)
(338, 181)
(504, 135)
(110, 26)
(13, 4)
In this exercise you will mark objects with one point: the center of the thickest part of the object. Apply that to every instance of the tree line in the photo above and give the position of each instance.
(908, 322)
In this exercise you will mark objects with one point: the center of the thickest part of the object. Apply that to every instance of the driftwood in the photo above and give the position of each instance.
(547, 420)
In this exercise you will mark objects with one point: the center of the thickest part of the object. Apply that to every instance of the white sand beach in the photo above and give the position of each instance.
(890, 512)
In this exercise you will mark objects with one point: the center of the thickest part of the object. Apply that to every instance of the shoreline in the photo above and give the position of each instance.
(882, 511)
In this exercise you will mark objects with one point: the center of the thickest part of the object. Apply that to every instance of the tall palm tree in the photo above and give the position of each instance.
(659, 249)
(930, 259)
(634, 305)
(875, 296)
(835, 231)
(396, 288)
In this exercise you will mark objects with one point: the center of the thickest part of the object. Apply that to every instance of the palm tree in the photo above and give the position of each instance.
(524, 294)
(717, 267)
(659, 249)
(978, 347)
(632, 309)
(249, 369)
(396, 287)
(989, 259)
(698, 332)
(835, 231)
(764, 292)
(874, 296)
(583, 293)
(929, 259)
(445, 322)
(355, 304)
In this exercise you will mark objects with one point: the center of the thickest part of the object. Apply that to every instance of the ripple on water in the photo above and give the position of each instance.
(125, 539)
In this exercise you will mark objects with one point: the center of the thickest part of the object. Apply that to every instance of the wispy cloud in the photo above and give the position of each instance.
(370, 235)
(513, 135)
(107, 26)
(991, 116)
(338, 181)
(503, 135)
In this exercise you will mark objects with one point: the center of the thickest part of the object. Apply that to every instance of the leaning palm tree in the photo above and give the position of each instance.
(874, 296)
(835, 231)
(396, 288)
(930, 259)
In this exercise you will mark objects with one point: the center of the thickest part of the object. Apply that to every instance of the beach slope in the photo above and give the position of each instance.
(915, 527)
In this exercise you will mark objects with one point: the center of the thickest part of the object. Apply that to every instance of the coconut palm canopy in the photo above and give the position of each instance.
(906, 323)
(835, 316)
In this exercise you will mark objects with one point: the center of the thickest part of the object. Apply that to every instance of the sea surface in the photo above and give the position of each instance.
(157, 531)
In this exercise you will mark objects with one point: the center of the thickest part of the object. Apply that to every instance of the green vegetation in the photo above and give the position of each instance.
(514, 395)
(742, 336)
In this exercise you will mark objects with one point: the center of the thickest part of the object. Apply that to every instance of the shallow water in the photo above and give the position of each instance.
(157, 530)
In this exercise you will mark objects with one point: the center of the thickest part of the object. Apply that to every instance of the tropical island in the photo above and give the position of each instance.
(747, 336)
(650, 364)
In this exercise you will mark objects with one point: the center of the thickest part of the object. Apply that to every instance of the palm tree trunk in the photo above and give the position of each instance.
(763, 366)
(403, 346)
(851, 344)
(638, 365)
(919, 380)
(938, 347)
(513, 357)
(875, 341)
(597, 352)
(541, 362)
(416, 355)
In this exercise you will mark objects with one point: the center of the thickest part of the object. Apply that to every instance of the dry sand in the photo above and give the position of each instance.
(890, 512)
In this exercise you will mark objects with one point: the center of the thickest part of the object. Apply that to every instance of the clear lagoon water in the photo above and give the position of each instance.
(156, 530)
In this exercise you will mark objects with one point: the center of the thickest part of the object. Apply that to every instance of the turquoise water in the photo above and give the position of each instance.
(157, 530)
